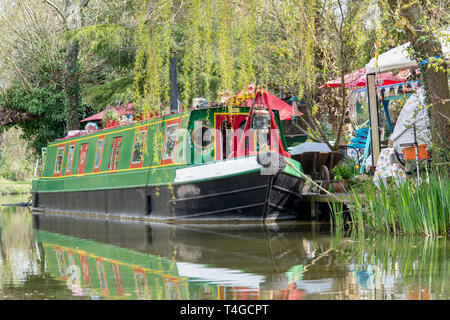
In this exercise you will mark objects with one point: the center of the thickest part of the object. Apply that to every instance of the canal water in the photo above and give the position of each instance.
(66, 258)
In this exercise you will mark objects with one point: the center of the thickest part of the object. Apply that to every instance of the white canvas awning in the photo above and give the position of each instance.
(398, 58)
(415, 113)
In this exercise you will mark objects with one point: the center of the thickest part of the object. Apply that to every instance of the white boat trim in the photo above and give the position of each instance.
(217, 169)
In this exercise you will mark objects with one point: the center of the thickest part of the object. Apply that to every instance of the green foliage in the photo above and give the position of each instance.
(112, 43)
(46, 105)
(346, 170)
(223, 45)
(14, 186)
(196, 59)
(154, 40)
(109, 93)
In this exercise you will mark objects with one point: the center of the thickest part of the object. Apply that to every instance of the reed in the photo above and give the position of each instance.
(410, 207)
(337, 217)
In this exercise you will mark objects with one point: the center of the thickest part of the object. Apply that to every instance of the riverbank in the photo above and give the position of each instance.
(14, 187)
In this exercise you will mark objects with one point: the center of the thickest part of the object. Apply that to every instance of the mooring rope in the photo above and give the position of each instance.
(312, 181)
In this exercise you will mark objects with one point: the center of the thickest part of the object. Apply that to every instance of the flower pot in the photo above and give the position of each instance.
(340, 186)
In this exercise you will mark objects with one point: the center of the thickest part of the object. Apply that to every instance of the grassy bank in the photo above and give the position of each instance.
(408, 208)
(14, 187)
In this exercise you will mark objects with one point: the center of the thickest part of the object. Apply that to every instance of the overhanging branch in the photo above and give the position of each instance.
(57, 9)
(11, 116)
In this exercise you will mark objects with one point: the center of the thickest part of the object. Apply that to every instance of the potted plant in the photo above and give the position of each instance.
(110, 119)
(344, 173)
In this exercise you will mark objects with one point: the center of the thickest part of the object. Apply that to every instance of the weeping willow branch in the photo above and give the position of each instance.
(307, 133)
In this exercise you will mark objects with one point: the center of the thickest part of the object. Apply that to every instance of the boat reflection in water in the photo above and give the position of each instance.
(117, 260)
(99, 259)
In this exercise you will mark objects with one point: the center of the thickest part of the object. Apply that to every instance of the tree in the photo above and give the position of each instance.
(340, 35)
(42, 111)
(33, 53)
(107, 52)
(72, 15)
(31, 58)
(420, 20)
(347, 27)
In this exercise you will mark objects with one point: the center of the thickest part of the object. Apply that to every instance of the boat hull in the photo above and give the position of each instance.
(250, 197)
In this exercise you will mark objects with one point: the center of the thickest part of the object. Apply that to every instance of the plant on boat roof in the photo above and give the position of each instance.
(110, 115)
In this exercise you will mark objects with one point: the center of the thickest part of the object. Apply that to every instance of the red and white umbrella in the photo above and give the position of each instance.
(358, 79)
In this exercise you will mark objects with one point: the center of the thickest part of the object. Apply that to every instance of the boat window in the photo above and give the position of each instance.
(59, 160)
(82, 158)
(202, 136)
(114, 156)
(70, 158)
(111, 155)
(226, 134)
(138, 149)
(241, 131)
(98, 153)
(170, 141)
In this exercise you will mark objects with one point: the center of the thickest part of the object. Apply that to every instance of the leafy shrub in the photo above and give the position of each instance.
(346, 170)
(17, 162)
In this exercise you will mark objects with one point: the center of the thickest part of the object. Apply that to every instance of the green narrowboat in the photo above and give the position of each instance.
(211, 164)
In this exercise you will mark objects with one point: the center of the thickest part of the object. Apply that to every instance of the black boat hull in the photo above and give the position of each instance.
(242, 198)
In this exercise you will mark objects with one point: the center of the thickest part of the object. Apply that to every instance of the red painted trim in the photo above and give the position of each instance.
(117, 276)
(275, 136)
(82, 156)
(140, 292)
(69, 170)
(139, 164)
(126, 124)
(172, 281)
(101, 154)
(112, 157)
(168, 123)
(102, 276)
(235, 121)
(58, 174)
(84, 268)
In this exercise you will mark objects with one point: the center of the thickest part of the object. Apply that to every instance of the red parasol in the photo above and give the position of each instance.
(120, 109)
(358, 79)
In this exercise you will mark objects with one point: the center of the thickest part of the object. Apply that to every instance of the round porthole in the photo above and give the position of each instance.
(202, 136)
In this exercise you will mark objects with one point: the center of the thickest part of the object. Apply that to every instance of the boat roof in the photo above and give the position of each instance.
(82, 133)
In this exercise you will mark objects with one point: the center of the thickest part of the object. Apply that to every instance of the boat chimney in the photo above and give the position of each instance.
(173, 83)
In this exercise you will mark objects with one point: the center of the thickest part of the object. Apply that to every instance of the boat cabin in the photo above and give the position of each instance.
(189, 137)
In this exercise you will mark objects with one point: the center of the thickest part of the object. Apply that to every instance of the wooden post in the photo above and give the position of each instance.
(373, 117)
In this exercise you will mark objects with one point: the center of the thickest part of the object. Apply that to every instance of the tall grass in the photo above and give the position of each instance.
(14, 187)
(410, 207)
(16, 160)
